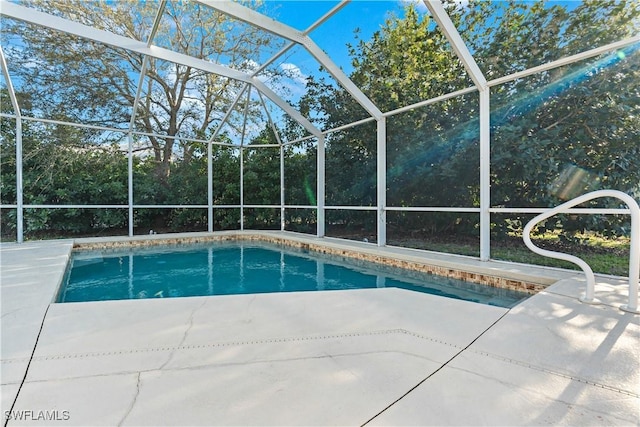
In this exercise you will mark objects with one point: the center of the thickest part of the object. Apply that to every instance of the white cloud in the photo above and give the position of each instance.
(293, 72)
(288, 81)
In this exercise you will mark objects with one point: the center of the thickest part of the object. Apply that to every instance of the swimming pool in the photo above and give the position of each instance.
(228, 268)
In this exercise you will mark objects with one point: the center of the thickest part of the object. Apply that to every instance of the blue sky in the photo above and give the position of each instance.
(336, 32)
(332, 36)
(366, 15)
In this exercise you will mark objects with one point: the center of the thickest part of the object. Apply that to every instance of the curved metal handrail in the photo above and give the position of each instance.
(634, 256)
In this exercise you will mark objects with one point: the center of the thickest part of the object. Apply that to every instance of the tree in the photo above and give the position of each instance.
(99, 84)
(59, 168)
(407, 61)
(583, 114)
(581, 117)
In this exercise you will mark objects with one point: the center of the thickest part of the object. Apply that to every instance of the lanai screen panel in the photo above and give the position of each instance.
(358, 225)
(131, 19)
(433, 155)
(400, 58)
(300, 169)
(6, 105)
(587, 109)
(8, 194)
(7, 147)
(243, 119)
(8, 188)
(226, 175)
(299, 14)
(568, 131)
(67, 78)
(200, 31)
(226, 187)
(351, 166)
(260, 127)
(158, 220)
(287, 128)
(204, 32)
(300, 79)
(183, 102)
(261, 175)
(506, 37)
(339, 35)
(435, 231)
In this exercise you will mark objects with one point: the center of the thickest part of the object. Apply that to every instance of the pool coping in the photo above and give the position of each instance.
(500, 274)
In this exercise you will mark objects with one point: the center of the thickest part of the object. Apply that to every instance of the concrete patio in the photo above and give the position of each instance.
(375, 356)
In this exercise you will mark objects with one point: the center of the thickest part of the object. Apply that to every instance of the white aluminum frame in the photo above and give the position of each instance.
(18, 118)
(71, 27)
(148, 50)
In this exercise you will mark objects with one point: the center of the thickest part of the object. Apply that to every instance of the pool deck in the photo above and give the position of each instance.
(371, 356)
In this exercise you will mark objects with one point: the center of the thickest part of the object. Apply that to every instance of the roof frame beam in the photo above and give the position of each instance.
(246, 115)
(19, 153)
(10, 89)
(565, 61)
(63, 25)
(273, 125)
(459, 46)
(312, 27)
(228, 113)
(250, 16)
(295, 114)
(145, 63)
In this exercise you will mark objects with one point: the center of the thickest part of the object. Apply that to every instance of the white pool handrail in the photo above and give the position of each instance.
(634, 255)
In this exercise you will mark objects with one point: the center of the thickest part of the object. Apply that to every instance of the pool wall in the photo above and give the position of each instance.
(453, 266)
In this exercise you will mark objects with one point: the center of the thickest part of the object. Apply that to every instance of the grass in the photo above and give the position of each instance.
(599, 263)
(606, 256)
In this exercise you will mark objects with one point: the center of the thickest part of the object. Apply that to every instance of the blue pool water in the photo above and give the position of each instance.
(246, 268)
